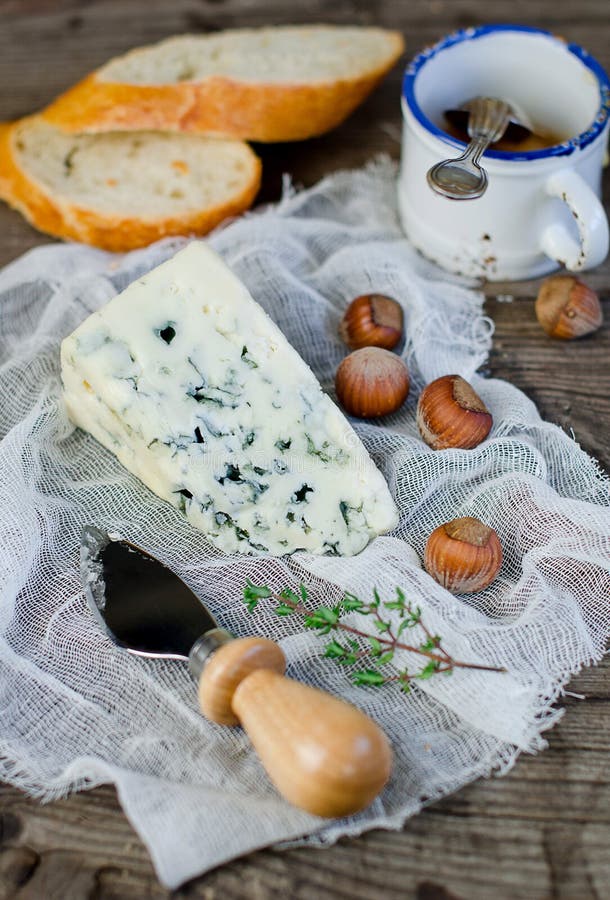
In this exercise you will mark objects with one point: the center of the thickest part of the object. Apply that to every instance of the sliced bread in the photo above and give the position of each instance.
(123, 190)
(267, 84)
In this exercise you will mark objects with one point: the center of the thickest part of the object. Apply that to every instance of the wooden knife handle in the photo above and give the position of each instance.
(321, 753)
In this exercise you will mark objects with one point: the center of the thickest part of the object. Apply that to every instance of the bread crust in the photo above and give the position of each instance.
(218, 106)
(119, 233)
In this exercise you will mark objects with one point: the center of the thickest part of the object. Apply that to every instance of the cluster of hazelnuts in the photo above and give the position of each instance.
(464, 555)
(372, 381)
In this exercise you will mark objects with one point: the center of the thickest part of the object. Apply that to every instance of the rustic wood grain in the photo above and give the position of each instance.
(543, 830)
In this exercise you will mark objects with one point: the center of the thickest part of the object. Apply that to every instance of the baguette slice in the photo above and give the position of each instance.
(267, 84)
(119, 191)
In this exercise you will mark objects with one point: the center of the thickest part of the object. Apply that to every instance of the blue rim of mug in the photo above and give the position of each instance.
(467, 34)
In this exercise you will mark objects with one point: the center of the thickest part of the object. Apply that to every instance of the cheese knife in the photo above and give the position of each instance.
(323, 754)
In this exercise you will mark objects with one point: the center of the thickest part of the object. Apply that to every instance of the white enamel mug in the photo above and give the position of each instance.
(541, 209)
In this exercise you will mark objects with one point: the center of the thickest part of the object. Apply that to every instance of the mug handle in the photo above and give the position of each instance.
(592, 247)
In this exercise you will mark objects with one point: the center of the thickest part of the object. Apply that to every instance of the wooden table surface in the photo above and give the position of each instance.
(543, 831)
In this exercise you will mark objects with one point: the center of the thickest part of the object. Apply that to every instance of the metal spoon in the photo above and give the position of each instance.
(463, 178)
(516, 131)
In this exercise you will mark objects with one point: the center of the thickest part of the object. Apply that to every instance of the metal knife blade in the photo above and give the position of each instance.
(144, 606)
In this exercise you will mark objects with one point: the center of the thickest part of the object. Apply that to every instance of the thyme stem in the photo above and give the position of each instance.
(378, 648)
(392, 643)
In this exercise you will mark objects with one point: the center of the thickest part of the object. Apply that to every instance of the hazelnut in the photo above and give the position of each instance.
(372, 320)
(567, 308)
(451, 414)
(372, 382)
(463, 555)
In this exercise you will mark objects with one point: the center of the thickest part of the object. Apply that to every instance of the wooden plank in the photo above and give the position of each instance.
(539, 832)
(542, 831)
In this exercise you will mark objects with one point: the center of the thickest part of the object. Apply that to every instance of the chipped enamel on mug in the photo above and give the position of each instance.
(541, 209)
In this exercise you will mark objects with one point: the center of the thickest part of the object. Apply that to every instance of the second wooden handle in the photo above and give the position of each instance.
(323, 754)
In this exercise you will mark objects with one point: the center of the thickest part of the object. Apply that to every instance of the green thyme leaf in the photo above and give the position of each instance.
(428, 670)
(368, 677)
(399, 604)
(288, 594)
(405, 686)
(406, 623)
(385, 658)
(323, 617)
(349, 659)
(282, 609)
(394, 604)
(431, 643)
(334, 650)
(375, 645)
(350, 603)
(260, 592)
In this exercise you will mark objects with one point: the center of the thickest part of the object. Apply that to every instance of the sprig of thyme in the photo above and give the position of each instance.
(375, 650)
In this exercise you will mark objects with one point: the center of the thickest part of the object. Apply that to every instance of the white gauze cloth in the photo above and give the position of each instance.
(76, 711)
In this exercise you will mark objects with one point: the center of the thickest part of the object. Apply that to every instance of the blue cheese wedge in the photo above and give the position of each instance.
(190, 384)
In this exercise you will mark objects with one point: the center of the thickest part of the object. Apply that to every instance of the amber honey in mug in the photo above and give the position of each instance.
(533, 140)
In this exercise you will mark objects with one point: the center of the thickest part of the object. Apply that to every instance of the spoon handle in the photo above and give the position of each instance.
(487, 119)
(487, 122)
(474, 151)
(323, 754)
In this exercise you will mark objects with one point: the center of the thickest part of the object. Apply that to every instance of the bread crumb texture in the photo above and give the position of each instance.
(292, 55)
(149, 174)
